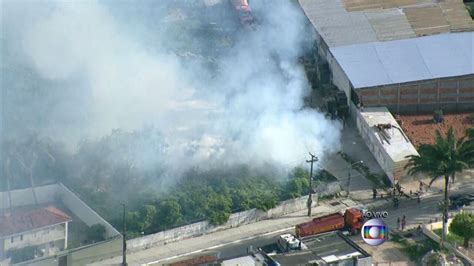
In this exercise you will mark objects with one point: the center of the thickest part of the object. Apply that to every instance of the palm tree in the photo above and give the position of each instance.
(444, 158)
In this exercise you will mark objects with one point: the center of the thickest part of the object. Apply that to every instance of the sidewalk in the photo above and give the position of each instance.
(201, 243)
(424, 212)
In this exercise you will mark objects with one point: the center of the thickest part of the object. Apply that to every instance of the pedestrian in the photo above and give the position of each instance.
(398, 223)
(404, 223)
(421, 186)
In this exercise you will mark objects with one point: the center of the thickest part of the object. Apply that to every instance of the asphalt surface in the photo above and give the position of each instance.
(415, 214)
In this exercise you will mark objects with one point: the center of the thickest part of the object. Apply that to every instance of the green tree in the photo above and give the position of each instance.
(463, 225)
(145, 218)
(95, 233)
(298, 184)
(444, 158)
(266, 200)
(218, 210)
(169, 214)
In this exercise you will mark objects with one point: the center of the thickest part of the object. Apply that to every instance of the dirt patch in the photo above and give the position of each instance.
(421, 129)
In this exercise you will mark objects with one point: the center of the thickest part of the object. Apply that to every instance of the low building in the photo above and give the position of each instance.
(50, 227)
(331, 248)
(386, 140)
(33, 232)
(257, 259)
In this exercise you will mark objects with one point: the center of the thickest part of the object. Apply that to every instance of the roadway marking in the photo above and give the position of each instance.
(218, 246)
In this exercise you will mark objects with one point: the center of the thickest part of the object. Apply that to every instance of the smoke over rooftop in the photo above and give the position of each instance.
(215, 93)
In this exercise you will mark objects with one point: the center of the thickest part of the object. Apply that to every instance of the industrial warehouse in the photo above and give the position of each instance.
(392, 58)
(410, 56)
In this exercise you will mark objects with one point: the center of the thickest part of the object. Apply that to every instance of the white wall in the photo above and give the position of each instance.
(374, 145)
(52, 193)
(339, 78)
(83, 211)
(235, 219)
(23, 197)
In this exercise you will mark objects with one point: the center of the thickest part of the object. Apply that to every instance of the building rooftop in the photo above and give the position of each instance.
(398, 146)
(347, 22)
(323, 248)
(250, 260)
(424, 58)
(27, 219)
(421, 129)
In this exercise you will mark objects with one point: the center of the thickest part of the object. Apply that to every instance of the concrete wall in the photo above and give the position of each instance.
(339, 78)
(84, 212)
(370, 139)
(58, 192)
(235, 219)
(52, 193)
(83, 255)
(23, 197)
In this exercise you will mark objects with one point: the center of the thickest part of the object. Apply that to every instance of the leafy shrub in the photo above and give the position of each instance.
(95, 233)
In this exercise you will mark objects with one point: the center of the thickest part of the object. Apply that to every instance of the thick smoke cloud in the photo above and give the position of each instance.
(77, 69)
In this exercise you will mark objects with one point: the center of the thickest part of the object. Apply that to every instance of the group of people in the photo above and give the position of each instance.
(401, 224)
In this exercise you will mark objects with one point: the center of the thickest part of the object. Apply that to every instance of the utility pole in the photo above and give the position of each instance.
(124, 238)
(348, 182)
(310, 196)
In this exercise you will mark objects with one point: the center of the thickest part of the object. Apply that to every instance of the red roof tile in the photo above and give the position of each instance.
(26, 220)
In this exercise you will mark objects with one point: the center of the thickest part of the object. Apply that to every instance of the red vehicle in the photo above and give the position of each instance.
(352, 220)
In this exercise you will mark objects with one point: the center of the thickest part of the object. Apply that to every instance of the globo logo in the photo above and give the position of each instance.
(374, 232)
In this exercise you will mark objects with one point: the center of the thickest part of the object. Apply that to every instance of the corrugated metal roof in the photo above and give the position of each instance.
(390, 24)
(241, 261)
(399, 61)
(336, 25)
(347, 22)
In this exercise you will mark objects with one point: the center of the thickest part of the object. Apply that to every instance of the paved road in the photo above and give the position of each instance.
(414, 212)
(234, 241)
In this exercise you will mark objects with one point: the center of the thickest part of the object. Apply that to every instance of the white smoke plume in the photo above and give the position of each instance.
(112, 66)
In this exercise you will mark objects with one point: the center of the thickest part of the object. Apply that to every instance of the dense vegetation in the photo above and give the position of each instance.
(463, 226)
(114, 170)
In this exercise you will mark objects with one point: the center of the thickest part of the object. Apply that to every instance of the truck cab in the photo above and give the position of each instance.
(353, 219)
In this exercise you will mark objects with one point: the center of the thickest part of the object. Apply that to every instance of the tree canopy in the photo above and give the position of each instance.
(463, 225)
(446, 157)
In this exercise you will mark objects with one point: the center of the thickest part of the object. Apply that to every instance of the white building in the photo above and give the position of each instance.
(42, 230)
(36, 230)
(391, 150)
